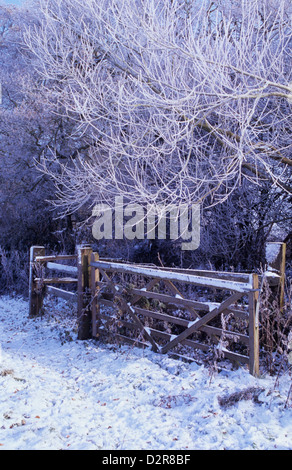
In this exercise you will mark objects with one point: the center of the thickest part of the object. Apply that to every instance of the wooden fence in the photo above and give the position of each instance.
(76, 275)
(162, 308)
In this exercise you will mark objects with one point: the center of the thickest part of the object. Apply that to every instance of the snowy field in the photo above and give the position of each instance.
(59, 393)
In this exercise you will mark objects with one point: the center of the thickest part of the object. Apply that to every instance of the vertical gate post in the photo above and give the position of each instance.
(254, 346)
(279, 264)
(36, 296)
(95, 305)
(84, 314)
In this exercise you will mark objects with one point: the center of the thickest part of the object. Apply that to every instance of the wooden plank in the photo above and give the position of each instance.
(133, 341)
(197, 324)
(254, 329)
(240, 277)
(35, 296)
(161, 316)
(173, 276)
(84, 318)
(45, 259)
(235, 357)
(278, 264)
(71, 296)
(152, 283)
(143, 329)
(212, 330)
(167, 299)
(241, 314)
(57, 280)
(94, 292)
(233, 276)
(188, 342)
(171, 287)
(62, 268)
(282, 276)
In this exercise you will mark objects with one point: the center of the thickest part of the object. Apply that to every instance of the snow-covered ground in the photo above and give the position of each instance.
(60, 393)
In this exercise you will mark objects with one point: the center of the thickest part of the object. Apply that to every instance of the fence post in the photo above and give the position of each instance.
(254, 346)
(282, 275)
(36, 296)
(95, 305)
(84, 314)
(279, 264)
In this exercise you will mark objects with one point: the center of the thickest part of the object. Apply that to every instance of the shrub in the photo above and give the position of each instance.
(275, 327)
(14, 272)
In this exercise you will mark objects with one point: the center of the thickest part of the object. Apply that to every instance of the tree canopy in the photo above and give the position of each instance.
(179, 100)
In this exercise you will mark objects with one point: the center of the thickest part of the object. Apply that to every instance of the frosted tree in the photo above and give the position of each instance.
(180, 100)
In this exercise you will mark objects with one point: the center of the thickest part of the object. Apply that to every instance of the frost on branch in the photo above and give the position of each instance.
(179, 103)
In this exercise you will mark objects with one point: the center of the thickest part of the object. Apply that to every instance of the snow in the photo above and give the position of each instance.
(60, 393)
(212, 305)
(176, 276)
(270, 273)
(272, 251)
(191, 323)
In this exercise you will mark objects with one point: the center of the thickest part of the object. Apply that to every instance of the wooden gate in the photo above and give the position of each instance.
(173, 311)
(76, 275)
(165, 309)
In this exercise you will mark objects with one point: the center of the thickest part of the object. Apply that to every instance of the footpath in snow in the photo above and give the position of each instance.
(59, 393)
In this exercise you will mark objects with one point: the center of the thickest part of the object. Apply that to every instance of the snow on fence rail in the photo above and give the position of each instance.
(171, 275)
(39, 284)
(151, 306)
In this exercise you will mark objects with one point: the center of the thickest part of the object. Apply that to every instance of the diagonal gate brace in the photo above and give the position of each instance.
(197, 324)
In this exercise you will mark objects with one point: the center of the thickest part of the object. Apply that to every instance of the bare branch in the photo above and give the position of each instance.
(181, 101)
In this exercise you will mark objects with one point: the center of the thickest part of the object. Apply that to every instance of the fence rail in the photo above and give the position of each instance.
(155, 307)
